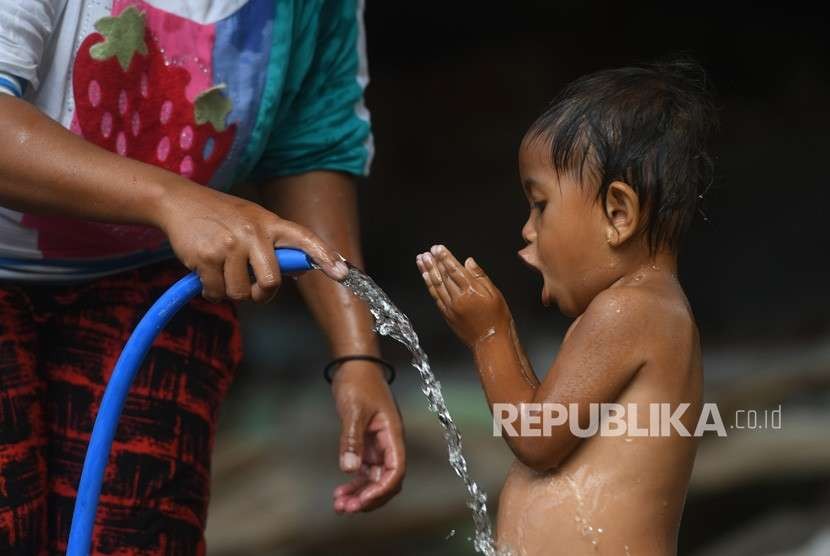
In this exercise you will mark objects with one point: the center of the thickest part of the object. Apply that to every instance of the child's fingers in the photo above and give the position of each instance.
(441, 306)
(427, 277)
(423, 270)
(439, 254)
(472, 266)
(452, 287)
(452, 270)
(436, 281)
(425, 274)
(437, 297)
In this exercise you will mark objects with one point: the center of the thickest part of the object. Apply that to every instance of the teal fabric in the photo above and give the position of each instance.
(308, 118)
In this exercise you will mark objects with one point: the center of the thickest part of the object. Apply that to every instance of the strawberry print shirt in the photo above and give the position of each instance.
(214, 90)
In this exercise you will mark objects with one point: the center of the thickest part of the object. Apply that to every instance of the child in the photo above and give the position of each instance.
(613, 171)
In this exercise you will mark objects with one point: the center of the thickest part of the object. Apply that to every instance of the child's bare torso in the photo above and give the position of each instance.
(617, 495)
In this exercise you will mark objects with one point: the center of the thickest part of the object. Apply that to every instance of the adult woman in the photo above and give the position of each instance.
(117, 115)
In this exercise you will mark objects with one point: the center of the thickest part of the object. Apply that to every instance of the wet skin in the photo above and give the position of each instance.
(633, 340)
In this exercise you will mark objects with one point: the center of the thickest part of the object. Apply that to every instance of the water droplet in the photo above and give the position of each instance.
(145, 85)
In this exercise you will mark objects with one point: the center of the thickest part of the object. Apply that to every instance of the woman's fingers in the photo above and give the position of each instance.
(237, 282)
(387, 477)
(266, 270)
(347, 496)
(289, 234)
(213, 282)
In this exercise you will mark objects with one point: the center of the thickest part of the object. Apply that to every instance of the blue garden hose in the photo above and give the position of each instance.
(106, 422)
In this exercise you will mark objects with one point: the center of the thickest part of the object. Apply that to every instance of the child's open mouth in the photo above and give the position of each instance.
(529, 259)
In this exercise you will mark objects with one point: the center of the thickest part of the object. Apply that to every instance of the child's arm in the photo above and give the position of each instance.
(593, 366)
(479, 316)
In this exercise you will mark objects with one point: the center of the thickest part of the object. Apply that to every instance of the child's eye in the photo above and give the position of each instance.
(540, 205)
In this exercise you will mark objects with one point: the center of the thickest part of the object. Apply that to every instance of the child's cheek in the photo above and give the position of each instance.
(549, 239)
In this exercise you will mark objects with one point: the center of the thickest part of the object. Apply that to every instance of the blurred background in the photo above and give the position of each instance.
(454, 86)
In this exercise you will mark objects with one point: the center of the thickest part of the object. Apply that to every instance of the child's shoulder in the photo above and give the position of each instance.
(639, 308)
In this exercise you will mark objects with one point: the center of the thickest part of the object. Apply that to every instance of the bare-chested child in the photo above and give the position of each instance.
(613, 171)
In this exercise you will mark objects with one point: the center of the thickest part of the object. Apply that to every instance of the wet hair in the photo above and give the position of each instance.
(646, 126)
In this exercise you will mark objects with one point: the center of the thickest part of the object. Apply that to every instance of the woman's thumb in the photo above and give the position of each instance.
(353, 430)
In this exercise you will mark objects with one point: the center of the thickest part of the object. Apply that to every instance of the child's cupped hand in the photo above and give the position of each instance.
(470, 303)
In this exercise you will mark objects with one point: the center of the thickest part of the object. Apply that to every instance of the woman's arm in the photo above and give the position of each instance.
(372, 433)
(45, 168)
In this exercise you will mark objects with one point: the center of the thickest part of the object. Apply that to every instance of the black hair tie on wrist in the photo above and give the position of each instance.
(387, 366)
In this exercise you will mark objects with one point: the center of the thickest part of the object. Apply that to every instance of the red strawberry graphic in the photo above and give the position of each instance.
(130, 101)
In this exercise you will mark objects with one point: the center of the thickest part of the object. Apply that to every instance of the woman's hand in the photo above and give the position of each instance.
(219, 235)
(371, 439)
(468, 300)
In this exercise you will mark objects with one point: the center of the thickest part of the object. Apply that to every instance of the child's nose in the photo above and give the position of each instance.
(528, 232)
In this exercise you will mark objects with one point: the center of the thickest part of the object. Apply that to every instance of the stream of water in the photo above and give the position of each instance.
(390, 321)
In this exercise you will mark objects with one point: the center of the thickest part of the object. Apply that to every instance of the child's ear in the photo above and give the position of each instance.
(622, 206)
